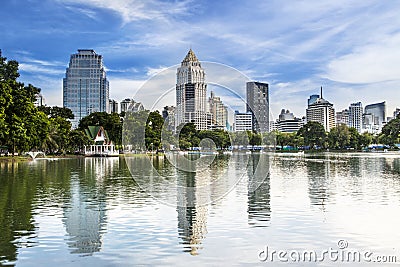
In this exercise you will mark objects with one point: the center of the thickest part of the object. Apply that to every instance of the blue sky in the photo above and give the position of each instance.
(351, 48)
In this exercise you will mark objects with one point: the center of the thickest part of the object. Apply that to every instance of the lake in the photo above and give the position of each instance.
(322, 209)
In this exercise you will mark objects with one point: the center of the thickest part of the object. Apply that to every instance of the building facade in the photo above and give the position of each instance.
(242, 121)
(374, 117)
(219, 112)
(321, 111)
(356, 116)
(288, 123)
(342, 117)
(128, 104)
(257, 97)
(113, 106)
(191, 93)
(85, 86)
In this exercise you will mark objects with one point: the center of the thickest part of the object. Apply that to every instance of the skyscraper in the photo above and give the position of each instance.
(374, 117)
(191, 93)
(219, 111)
(323, 112)
(355, 116)
(85, 86)
(257, 97)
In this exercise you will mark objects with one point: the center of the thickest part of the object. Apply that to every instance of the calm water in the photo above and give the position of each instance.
(76, 212)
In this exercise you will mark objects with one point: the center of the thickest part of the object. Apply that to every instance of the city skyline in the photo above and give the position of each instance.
(328, 44)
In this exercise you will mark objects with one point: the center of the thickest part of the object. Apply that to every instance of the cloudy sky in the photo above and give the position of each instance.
(351, 48)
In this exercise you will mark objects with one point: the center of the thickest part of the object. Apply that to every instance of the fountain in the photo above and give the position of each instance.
(35, 154)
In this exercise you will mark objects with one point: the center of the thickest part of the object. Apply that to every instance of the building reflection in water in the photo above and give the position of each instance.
(85, 213)
(259, 207)
(192, 209)
(318, 172)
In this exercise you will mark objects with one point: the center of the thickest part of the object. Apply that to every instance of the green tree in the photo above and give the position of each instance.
(77, 139)
(391, 132)
(339, 137)
(313, 133)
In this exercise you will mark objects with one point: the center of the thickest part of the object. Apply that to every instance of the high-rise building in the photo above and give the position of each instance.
(257, 97)
(342, 117)
(85, 86)
(191, 93)
(242, 121)
(128, 104)
(374, 117)
(168, 114)
(356, 116)
(113, 106)
(323, 112)
(219, 111)
(288, 123)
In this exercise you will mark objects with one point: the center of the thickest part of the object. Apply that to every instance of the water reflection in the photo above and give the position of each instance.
(85, 211)
(259, 207)
(192, 212)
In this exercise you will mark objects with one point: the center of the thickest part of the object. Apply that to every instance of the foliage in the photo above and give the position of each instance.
(391, 132)
(112, 123)
(313, 133)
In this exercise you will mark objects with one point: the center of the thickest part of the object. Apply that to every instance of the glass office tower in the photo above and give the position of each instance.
(85, 86)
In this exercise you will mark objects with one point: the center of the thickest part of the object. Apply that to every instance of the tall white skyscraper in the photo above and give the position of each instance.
(85, 86)
(321, 111)
(356, 116)
(191, 93)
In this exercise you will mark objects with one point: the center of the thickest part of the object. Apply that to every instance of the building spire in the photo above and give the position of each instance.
(321, 93)
(190, 57)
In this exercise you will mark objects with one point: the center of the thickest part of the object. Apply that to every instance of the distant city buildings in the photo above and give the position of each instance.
(356, 116)
(131, 105)
(257, 99)
(396, 113)
(191, 93)
(40, 101)
(288, 123)
(343, 117)
(321, 111)
(85, 86)
(242, 121)
(219, 112)
(113, 106)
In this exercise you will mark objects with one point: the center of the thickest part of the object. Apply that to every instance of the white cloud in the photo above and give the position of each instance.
(33, 68)
(376, 62)
(134, 10)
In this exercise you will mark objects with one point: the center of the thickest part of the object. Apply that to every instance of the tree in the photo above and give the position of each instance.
(313, 133)
(188, 135)
(77, 140)
(339, 137)
(391, 132)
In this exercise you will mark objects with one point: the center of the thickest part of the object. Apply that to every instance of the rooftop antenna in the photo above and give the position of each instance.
(321, 93)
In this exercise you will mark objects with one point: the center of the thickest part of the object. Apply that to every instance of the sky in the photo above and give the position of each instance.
(351, 48)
